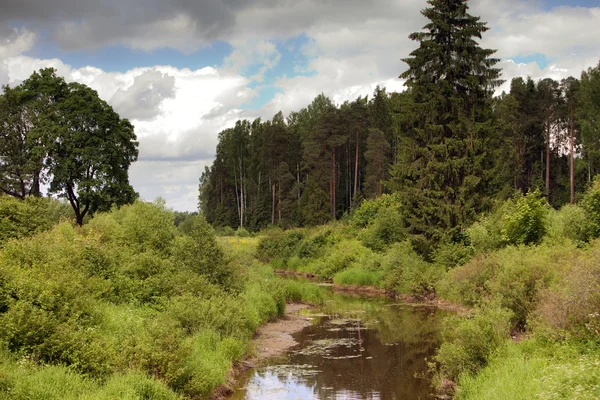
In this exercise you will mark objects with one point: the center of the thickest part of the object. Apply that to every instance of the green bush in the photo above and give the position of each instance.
(199, 252)
(591, 205)
(407, 272)
(570, 222)
(21, 218)
(279, 245)
(470, 342)
(359, 276)
(368, 210)
(146, 226)
(302, 292)
(568, 308)
(485, 235)
(526, 224)
(224, 231)
(242, 232)
(385, 229)
(514, 277)
(451, 254)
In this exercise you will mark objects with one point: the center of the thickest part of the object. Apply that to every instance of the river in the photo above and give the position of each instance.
(356, 348)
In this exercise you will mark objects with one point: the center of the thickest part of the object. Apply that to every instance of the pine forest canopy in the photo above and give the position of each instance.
(65, 136)
(446, 146)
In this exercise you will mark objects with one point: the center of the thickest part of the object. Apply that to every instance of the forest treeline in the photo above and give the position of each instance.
(320, 162)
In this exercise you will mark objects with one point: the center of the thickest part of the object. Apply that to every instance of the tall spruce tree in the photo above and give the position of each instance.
(442, 170)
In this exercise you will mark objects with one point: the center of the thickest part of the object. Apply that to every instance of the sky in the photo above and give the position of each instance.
(183, 70)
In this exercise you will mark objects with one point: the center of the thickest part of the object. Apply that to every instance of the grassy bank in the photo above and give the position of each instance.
(129, 306)
(524, 270)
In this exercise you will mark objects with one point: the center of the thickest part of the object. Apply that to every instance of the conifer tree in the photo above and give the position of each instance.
(442, 171)
(376, 155)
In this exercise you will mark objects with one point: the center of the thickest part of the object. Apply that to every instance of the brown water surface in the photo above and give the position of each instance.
(356, 348)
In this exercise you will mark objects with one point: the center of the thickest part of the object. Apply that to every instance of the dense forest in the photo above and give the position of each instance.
(447, 160)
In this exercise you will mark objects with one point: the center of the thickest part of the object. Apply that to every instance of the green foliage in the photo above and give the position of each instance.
(359, 276)
(242, 232)
(452, 254)
(342, 255)
(568, 308)
(146, 226)
(470, 342)
(407, 272)
(368, 210)
(387, 228)
(485, 235)
(513, 277)
(20, 218)
(298, 292)
(510, 374)
(199, 252)
(129, 308)
(591, 205)
(570, 222)
(279, 245)
(224, 231)
(535, 369)
(526, 224)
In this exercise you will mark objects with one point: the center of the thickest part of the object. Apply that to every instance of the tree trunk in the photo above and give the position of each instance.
(572, 156)
(548, 154)
(279, 199)
(332, 185)
(356, 167)
(273, 205)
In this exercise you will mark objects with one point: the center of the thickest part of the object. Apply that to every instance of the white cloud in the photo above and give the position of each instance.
(12, 43)
(263, 54)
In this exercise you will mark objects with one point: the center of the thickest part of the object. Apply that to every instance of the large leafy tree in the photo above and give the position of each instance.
(443, 168)
(65, 135)
(89, 152)
(23, 149)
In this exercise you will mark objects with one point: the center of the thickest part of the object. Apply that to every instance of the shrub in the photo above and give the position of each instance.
(526, 224)
(569, 307)
(21, 218)
(224, 231)
(385, 229)
(199, 252)
(513, 277)
(345, 254)
(359, 276)
(485, 235)
(279, 245)
(568, 223)
(146, 226)
(451, 254)
(302, 292)
(407, 272)
(242, 232)
(368, 210)
(469, 342)
(591, 205)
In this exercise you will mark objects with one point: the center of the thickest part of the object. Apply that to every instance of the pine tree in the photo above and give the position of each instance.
(442, 171)
(589, 118)
(376, 155)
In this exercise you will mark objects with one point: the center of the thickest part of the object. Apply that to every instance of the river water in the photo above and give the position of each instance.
(356, 348)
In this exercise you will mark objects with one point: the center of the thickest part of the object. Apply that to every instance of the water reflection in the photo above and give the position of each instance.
(361, 349)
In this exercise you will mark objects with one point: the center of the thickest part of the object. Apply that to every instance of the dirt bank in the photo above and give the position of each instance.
(271, 339)
(274, 338)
